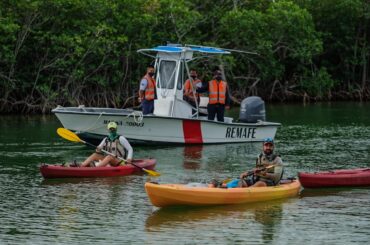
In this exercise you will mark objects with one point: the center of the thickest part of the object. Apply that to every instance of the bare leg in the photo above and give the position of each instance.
(108, 160)
(91, 158)
(242, 183)
(260, 184)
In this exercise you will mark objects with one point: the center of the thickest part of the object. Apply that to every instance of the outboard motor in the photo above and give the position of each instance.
(252, 109)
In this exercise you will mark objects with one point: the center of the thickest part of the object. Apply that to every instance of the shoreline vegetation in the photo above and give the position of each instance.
(69, 53)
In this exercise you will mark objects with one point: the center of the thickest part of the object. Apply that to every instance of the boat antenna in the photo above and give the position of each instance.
(240, 51)
(230, 50)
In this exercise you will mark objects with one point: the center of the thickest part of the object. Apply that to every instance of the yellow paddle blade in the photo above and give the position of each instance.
(226, 181)
(151, 172)
(68, 135)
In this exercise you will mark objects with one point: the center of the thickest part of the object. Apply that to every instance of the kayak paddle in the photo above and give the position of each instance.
(69, 135)
(249, 173)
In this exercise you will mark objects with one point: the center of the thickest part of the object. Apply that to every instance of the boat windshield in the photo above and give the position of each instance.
(167, 74)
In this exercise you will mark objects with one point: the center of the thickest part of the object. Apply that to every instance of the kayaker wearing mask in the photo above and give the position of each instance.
(269, 168)
(113, 143)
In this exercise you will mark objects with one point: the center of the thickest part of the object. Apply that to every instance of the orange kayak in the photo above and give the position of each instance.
(162, 195)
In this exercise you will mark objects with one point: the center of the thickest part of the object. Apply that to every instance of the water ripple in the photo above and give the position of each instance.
(118, 211)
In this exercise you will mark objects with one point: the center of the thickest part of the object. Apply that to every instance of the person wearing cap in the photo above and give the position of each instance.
(147, 91)
(219, 97)
(268, 171)
(113, 143)
(269, 168)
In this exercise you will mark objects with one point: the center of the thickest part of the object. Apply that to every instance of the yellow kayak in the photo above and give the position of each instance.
(162, 195)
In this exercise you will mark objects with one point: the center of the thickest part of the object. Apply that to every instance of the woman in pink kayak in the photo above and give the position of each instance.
(113, 143)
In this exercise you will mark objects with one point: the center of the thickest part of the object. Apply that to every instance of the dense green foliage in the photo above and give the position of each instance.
(72, 52)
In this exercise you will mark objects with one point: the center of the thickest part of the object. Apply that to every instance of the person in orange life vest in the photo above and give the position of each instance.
(219, 97)
(113, 143)
(147, 91)
(189, 87)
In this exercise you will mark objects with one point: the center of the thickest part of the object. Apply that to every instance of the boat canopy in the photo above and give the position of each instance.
(172, 71)
(175, 48)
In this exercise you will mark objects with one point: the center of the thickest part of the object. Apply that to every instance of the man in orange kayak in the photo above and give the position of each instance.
(269, 168)
(113, 143)
(268, 172)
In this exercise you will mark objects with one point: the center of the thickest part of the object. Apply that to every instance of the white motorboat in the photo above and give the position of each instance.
(174, 120)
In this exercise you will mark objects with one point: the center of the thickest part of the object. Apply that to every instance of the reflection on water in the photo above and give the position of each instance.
(109, 181)
(117, 210)
(264, 217)
(192, 156)
(334, 191)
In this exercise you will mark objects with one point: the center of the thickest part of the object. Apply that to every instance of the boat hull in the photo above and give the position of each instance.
(153, 129)
(163, 195)
(336, 178)
(58, 171)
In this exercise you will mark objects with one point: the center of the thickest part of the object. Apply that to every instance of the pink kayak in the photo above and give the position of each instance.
(336, 178)
(58, 171)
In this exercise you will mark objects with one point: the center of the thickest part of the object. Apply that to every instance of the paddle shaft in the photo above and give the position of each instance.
(110, 153)
(250, 173)
(69, 135)
(104, 151)
(259, 170)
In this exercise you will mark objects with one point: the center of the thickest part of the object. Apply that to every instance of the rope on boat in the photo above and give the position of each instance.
(135, 114)
(92, 126)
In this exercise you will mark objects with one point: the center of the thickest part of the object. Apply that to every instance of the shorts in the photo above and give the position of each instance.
(269, 182)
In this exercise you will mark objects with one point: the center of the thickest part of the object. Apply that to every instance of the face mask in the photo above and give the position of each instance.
(151, 74)
(193, 77)
(112, 135)
(218, 78)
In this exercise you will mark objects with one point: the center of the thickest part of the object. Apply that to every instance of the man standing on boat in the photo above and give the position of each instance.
(190, 86)
(113, 143)
(219, 97)
(147, 91)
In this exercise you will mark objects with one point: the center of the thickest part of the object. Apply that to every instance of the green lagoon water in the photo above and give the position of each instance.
(117, 210)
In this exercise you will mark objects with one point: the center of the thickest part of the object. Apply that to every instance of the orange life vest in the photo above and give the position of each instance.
(188, 88)
(150, 88)
(217, 92)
